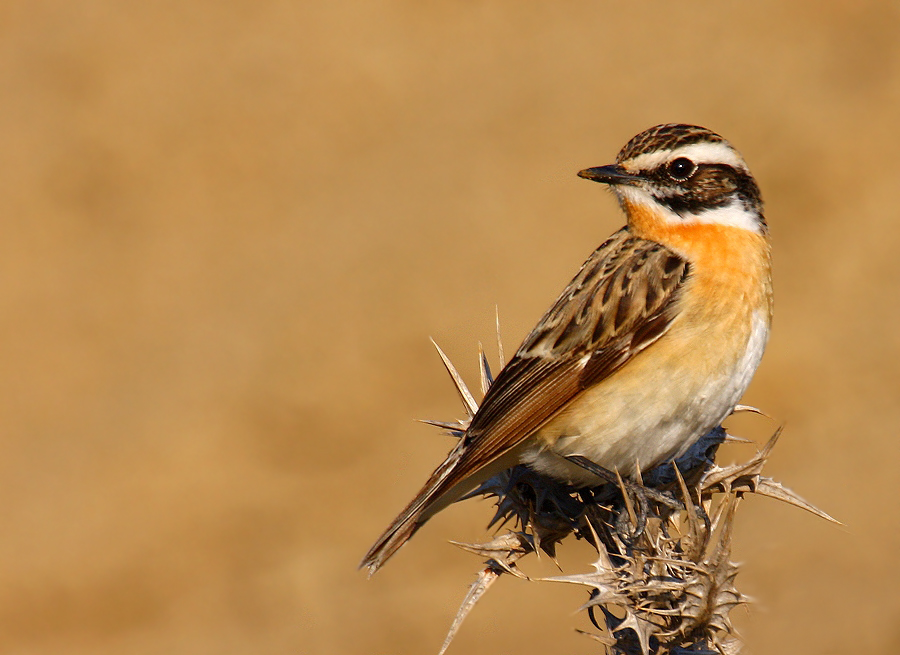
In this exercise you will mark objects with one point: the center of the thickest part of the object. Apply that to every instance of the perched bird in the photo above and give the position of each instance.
(649, 347)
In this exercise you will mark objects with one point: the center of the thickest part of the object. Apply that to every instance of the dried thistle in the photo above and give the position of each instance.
(663, 581)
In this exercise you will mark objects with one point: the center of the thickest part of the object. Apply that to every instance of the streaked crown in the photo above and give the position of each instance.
(667, 137)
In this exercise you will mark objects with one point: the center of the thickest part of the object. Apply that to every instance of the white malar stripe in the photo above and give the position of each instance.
(638, 196)
(699, 153)
(734, 214)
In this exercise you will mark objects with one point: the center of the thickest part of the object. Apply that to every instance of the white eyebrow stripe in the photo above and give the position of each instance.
(699, 153)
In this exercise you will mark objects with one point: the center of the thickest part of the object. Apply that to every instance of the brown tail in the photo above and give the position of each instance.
(449, 482)
(432, 498)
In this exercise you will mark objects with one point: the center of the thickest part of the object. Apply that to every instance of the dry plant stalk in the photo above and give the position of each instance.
(663, 581)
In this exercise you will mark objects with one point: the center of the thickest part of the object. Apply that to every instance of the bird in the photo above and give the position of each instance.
(650, 346)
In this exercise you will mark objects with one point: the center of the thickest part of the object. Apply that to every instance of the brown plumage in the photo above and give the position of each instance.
(560, 393)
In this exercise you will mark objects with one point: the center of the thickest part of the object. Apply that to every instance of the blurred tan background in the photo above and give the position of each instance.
(229, 228)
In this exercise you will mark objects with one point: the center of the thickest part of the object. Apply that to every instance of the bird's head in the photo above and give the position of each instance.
(684, 174)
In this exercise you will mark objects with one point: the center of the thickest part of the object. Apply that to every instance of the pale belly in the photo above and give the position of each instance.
(656, 406)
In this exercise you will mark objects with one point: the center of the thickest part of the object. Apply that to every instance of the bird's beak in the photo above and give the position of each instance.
(611, 175)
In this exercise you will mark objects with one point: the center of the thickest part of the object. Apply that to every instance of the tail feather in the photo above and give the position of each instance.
(453, 479)
(444, 487)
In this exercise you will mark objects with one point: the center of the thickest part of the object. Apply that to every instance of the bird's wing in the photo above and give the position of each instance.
(621, 301)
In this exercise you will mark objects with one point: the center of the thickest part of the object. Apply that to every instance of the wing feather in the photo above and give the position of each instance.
(622, 300)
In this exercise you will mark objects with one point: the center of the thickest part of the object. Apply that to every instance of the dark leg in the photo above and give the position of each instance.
(657, 496)
(638, 492)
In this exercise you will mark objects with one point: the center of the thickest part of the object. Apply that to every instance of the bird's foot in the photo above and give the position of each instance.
(636, 497)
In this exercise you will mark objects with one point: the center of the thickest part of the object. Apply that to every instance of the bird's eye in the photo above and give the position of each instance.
(681, 169)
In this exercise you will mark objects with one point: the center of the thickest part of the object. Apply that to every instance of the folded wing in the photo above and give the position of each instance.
(622, 300)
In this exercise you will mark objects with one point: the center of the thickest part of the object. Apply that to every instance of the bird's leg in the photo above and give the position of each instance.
(610, 476)
(638, 518)
(641, 495)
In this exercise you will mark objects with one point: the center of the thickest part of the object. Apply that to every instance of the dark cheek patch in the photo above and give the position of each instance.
(709, 189)
(712, 186)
